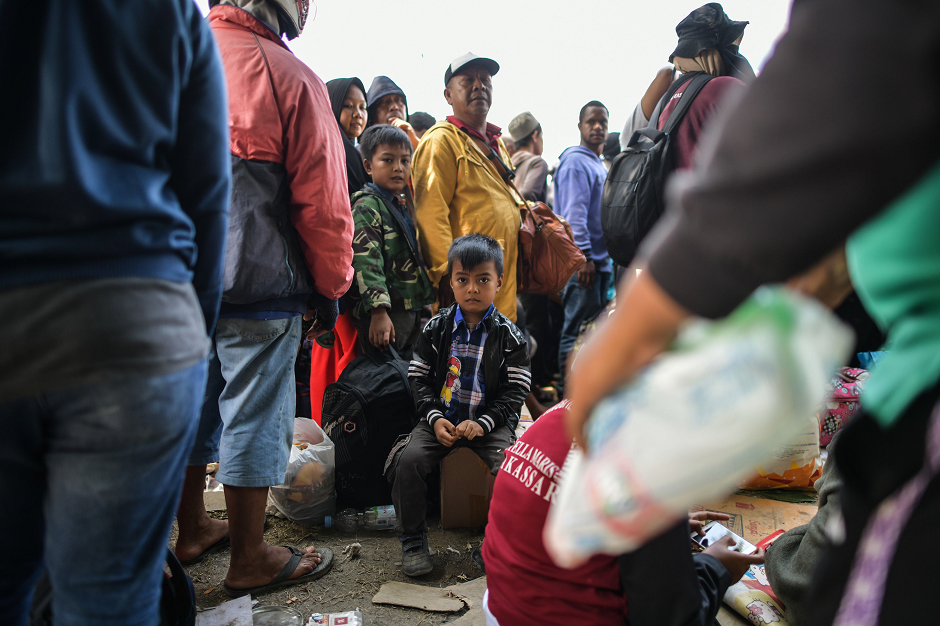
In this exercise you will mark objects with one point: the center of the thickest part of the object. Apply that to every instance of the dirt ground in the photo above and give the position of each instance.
(351, 583)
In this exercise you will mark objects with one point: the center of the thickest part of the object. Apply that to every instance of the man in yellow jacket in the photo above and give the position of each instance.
(458, 190)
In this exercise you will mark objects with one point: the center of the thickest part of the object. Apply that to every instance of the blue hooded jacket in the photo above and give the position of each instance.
(116, 149)
(579, 183)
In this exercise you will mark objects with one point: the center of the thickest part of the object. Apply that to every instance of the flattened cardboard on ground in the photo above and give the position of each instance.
(232, 613)
(473, 617)
(755, 518)
(418, 597)
(466, 487)
(470, 592)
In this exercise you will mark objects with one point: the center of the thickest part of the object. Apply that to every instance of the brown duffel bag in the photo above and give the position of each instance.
(548, 257)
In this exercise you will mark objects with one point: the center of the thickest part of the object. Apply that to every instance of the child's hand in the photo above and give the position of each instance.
(698, 519)
(381, 329)
(469, 429)
(735, 562)
(445, 432)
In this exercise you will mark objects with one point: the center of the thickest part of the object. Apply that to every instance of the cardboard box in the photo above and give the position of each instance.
(466, 487)
(755, 518)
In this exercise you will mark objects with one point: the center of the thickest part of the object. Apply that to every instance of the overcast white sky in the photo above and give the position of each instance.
(554, 56)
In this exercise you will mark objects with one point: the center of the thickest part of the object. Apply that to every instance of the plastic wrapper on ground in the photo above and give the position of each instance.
(348, 618)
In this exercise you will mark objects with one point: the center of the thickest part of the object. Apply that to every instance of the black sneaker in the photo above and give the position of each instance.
(415, 558)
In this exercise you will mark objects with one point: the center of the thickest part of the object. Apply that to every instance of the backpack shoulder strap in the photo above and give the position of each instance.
(685, 101)
(654, 116)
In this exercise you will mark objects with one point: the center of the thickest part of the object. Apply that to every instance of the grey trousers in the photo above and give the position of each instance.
(421, 454)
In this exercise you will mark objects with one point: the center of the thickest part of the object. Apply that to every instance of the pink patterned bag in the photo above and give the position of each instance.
(845, 389)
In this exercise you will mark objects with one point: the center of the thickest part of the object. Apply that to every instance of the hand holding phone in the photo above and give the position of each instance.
(713, 532)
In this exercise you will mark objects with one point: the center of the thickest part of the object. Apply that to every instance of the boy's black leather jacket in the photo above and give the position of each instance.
(505, 369)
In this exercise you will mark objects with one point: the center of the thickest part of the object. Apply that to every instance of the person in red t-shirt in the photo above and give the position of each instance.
(524, 586)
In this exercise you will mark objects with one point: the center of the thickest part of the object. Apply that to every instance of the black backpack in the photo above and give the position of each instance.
(177, 600)
(364, 413)
(633, 194)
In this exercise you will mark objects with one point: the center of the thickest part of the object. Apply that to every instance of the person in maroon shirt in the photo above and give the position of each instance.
(708, 43)
(665, 585)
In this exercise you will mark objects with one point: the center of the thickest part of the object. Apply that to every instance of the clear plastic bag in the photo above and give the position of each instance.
(694, 423)
(308, 494)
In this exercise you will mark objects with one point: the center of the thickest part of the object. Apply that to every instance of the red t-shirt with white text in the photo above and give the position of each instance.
(525, 586)
(696, 120)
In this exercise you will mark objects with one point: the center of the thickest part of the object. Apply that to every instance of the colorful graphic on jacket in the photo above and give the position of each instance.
(452, 381)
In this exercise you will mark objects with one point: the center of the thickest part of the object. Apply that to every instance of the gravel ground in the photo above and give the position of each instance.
(353, 582)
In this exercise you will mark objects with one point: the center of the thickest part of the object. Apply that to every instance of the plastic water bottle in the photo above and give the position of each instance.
(373, 518)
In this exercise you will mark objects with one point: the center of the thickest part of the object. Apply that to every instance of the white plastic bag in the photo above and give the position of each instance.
(309, 490)
(694, 423)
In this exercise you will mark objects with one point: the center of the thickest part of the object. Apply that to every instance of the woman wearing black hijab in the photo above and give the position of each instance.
(348, 99)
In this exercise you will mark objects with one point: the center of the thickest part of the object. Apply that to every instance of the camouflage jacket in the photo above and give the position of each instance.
(389, 270)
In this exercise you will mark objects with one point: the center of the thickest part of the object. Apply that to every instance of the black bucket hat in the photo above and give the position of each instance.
(710, 27)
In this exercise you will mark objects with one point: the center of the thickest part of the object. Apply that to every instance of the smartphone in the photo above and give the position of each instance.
(714, 531)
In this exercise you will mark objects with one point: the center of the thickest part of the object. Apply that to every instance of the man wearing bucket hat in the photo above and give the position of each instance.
(458, 189)
(531, 168)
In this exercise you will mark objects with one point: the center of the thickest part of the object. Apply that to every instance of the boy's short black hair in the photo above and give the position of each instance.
(382, 135)
(420, 120)
(592, 103)
(474, 249)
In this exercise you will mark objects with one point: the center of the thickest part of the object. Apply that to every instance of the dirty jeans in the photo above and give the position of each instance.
(91, 478)
(422, 453)
(247, 421)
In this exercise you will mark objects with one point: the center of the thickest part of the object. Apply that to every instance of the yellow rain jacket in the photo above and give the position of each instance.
(458, 191)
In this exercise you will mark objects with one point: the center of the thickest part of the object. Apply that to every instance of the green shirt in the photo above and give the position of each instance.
(389, 271)
(894, 261)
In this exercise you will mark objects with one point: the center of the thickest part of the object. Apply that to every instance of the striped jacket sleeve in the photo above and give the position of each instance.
(421, 374)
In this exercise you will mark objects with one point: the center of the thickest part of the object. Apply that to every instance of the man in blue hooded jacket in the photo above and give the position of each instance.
(579, 183)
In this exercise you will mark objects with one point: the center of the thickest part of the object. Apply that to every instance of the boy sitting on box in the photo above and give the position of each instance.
(391, 284)
(470, 375)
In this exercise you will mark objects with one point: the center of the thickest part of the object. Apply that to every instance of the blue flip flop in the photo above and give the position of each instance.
(283, 579)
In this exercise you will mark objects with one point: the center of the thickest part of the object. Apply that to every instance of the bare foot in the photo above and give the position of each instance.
(245, 575)
(192, 544)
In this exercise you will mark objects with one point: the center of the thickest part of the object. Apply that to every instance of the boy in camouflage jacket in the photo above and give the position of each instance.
(391, 284)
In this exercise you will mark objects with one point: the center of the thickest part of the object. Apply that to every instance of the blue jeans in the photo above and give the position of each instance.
(247, 421)
(581, 305)
(91, 478)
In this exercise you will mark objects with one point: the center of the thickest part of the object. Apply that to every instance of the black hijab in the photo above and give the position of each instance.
(355, 171)
(710, 27)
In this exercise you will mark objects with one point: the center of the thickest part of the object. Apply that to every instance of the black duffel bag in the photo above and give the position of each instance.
(633, 194)
(364, 413)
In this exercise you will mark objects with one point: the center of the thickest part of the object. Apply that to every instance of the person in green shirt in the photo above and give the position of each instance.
(391, 284)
